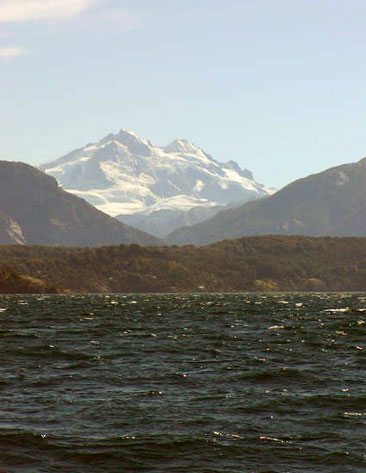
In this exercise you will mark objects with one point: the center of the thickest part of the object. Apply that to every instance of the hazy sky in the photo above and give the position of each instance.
(277, 85)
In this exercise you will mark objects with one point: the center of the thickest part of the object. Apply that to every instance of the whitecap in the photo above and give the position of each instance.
(343, 309)
(272, 439)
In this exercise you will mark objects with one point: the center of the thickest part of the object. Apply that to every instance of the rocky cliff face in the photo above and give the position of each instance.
(332, 202)
(35, 210)
(152, 187)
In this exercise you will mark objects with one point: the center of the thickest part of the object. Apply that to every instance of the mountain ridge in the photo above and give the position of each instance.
(331, 202)
(35, 210)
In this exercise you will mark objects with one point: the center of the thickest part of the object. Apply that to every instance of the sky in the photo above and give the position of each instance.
(276, 85)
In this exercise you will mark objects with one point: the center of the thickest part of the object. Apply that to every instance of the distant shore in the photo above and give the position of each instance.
(255, 264)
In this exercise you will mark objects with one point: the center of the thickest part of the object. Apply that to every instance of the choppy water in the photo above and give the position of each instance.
(183, 383)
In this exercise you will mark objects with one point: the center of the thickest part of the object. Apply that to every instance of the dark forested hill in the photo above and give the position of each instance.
(11, 282)
(332, 202)
(267, 263)
(35, 210)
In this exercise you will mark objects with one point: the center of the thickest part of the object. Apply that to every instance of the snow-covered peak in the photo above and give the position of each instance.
(183, 146)
(134, 143)
(125, 174)
(242, 172)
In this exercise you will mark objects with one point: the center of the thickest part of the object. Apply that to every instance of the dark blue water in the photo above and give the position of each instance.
(183, 383)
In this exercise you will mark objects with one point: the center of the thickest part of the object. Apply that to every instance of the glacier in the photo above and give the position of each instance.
(156, 189)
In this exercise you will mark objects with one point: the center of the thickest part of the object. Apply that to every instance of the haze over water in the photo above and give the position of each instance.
(183, 383)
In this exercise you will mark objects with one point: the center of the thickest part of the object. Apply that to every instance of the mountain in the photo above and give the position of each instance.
(153, 188)
(35, 210)
(332, 202)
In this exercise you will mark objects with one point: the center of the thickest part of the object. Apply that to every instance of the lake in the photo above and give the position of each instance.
(169, 383)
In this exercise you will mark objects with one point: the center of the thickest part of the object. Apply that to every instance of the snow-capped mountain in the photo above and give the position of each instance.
(329, 203)
(152, 187)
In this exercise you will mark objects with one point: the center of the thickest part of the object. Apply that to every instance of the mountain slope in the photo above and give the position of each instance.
(332, 202)
(34, 210)
(126, 176)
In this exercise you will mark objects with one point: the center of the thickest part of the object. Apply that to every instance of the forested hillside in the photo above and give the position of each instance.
(11, 282)
(330, 203)
(266, 263)
(35, 210)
